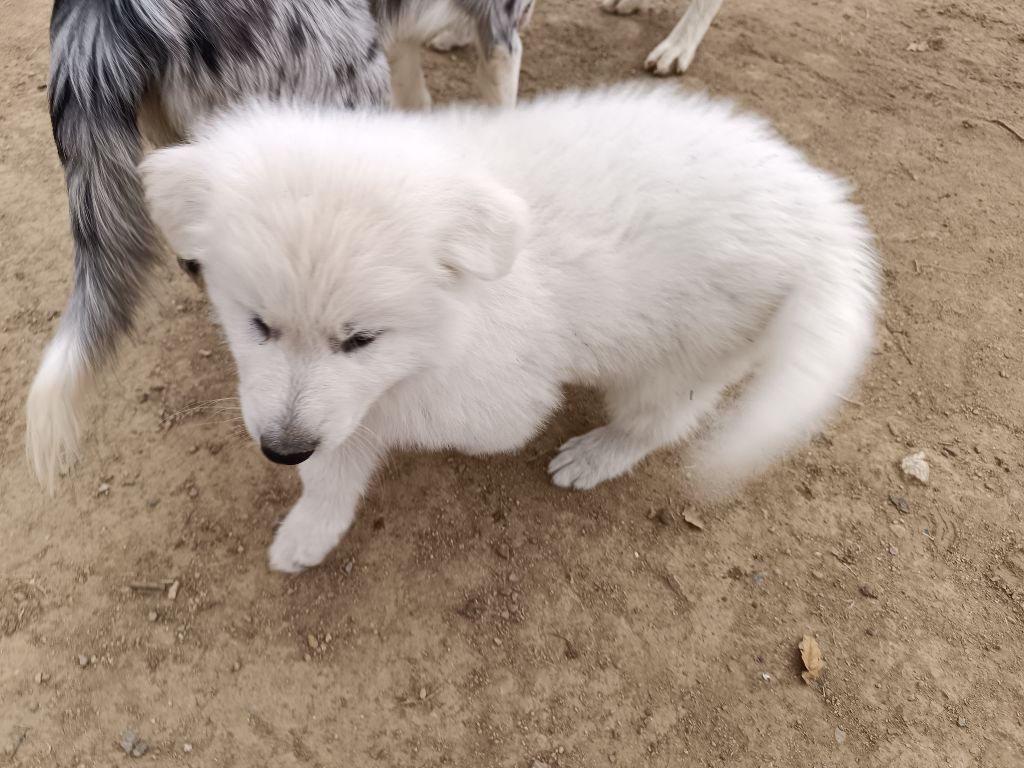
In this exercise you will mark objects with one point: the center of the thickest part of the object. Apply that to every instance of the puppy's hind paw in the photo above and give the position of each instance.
(590, 459)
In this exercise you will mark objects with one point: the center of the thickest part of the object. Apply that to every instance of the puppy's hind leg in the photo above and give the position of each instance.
(645, 416)
(675, 53)
(408, 84)
(333, 481)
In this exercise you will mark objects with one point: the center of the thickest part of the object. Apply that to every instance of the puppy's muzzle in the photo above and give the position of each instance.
(287, 454)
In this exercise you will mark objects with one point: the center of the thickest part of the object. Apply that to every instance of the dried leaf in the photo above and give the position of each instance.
(814, 664)
(692, 519)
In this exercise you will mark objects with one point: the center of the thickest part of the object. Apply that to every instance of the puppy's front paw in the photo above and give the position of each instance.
(300, 544)
(589, 459)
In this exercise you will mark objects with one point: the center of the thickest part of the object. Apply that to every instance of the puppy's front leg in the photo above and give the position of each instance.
(332, 484)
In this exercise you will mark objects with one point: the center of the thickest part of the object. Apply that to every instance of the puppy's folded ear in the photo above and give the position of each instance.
(176, 191)
(484, 225)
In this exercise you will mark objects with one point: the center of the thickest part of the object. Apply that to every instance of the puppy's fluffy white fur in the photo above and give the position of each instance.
(433, 280)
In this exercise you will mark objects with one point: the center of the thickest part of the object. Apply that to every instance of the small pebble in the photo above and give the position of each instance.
(186, 747)
(840, 736)
(894, 550)
(103, 490)
(916, 466)
(83, 661)
(502, 550)
(312, 642)
(423, 693)
(42, 677)
(152, 616)
(349, 565)
(497, 641)
(901, 504)
(869, 590)
(962, 722)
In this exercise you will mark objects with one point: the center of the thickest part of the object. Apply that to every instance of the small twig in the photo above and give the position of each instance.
(1006, 126)
(851, 402)
(142, 586)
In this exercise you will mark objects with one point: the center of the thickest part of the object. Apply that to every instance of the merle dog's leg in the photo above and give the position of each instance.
(408, 84)
(675, 53)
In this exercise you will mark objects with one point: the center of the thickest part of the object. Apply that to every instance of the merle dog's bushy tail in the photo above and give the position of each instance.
(98, 77)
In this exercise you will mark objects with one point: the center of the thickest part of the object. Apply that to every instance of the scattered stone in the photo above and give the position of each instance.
(132, 744)
(869, 590)
(205, 353)
(423, 694)
(502, 550)
(539, 764)
(916, 466)
(901, 504)
(172, 591)
(666, 516)
(894, 550)
(962, 722)
(311, 641)
(349, 565)
(152, 616)
(83, 660)
(497, 641)
(42, 677)
(513, 578)
(759, 577)
(186, 747)
(473, 609)
(236, 666)
(899, 531)
(840, 736)
(103, 490)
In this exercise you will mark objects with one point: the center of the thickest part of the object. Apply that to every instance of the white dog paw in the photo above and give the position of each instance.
(299, 545)
(670, 57)
(590, 459)
(624, 7)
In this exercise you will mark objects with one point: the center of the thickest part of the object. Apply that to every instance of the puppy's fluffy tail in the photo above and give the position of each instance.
(97, 79)
(811, 356)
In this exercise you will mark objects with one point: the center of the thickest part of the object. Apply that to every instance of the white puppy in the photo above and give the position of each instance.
(432, 280)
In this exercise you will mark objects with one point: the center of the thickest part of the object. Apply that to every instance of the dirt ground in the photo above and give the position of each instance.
(475, 615)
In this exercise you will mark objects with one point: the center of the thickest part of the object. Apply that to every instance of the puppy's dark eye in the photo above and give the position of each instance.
(262, 328)
(357, 340)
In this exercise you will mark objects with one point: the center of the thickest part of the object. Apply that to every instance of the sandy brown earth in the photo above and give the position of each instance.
(476, 616)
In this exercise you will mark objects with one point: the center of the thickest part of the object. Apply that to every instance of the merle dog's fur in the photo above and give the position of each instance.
(125, 71)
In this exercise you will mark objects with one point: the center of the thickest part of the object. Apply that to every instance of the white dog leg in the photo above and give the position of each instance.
(675, 53)
(332, 484)
(408, 85)
(498, 73)
(645, 417)
(625, 7)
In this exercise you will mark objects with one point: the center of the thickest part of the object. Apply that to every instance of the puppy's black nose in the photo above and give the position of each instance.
(285, 458)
